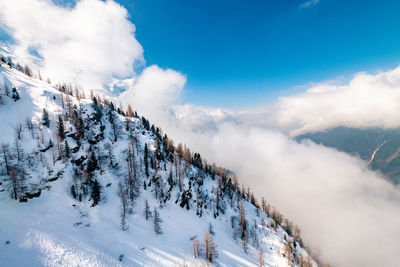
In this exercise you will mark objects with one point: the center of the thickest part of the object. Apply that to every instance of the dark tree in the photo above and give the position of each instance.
(15, 94)
(45, 118)
(14, 183)
(157, 221)
(211, 229)
(124, 207)
(98, 113)
(73, 191)
(4, 150)
(243, 226)
(66, 149)
(96, 191)
(147, 212)
(28, 71)
(9, 62)
(60, 128)
(146, 161)
(92, 165)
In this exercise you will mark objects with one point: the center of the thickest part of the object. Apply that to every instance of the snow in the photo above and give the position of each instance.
(57, 230)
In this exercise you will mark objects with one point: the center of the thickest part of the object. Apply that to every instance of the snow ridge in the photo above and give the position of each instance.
(73, 193)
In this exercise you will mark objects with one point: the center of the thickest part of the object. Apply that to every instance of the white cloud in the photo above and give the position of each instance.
(155, 92)
(86, 44)
(366, 101)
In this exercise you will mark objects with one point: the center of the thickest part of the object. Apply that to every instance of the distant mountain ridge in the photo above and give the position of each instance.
(379, 147)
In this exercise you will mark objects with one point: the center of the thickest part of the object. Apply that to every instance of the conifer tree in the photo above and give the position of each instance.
(158, 150)
(124, 207)
(73, 191)
(91, 165)
(96, 106)
(66, 149)
(15, 94)
(211, 229)
(157, 221)
(243, 226)
(96, 191)
(170, 176)
(5, 152)
(60, 128)
(147, 212)
(14, 183)
(145, 159)
(45, 118)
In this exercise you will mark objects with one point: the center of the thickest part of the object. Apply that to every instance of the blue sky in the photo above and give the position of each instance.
(246, 53)
(241, 53)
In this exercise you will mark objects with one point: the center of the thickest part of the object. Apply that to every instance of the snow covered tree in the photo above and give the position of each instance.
(260, 258)
(28, 71)
(157, 220)
(6, 156)
(96, 191)
(60, 128)
(18, 150)
(158, 150)
(124, 207)
(45, 118)
(14, 183)
(15, 94)
(29, 126)
(211, 229)
(115, 126)
(288, 252)
(196, 248)
(9, 62)
(210, 249)
(147, 212)
(145, 159)
(18, 130)
(92, 165)
(73, 191)
(97, 108)
(243, 226)
(66, 149)
(170, 179)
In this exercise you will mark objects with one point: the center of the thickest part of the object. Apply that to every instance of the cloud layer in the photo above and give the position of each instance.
(366, 101)
(86, 44)
(348, 213)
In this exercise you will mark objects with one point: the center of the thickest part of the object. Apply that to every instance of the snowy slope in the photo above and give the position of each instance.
(55, 229)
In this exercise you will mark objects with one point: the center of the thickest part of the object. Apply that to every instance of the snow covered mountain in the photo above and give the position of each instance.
(86, 183)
